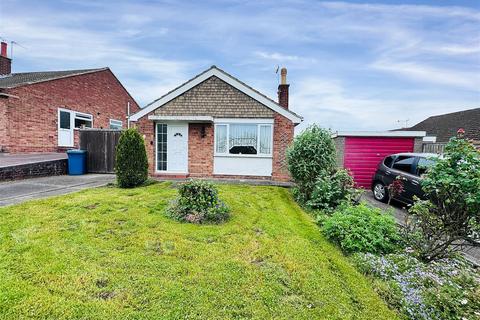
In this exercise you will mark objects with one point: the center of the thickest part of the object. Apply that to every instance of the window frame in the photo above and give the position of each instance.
(244, 122)
(115, 120)
(81, 116)
(157, 152)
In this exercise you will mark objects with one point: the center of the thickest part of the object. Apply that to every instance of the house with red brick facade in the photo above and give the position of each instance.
(215, 126)
(42, 111)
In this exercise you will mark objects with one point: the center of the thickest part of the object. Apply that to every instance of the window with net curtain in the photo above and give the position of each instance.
(240, 139)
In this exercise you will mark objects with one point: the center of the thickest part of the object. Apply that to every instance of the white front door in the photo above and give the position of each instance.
(177, 147)
(65, 128)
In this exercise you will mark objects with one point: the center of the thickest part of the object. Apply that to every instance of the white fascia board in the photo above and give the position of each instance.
(233, 82)
(181, 118)
(412, 134)
(431, 139)
(244, 120)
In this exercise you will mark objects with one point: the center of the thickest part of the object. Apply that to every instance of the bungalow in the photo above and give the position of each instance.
(42, 111)
(214, 125)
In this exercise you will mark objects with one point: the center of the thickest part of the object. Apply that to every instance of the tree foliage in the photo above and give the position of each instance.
(450, 218)
(131, 160)
(311, 155)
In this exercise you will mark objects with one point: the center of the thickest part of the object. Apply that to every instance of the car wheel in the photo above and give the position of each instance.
(380, 192)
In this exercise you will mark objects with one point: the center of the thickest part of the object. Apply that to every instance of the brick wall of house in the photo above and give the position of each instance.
(147, 130)
(283, 131)
(200, 150)
(33, 116)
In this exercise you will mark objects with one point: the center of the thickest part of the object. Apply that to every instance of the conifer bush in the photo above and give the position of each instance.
(131, 160)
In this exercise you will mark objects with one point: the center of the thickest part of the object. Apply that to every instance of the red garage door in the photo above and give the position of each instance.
(363, 154)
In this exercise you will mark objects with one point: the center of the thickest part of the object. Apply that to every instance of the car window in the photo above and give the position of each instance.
(404, 163)
(388, 161)
(423, 165)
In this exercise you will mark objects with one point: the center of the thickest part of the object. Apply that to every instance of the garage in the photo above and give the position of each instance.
(361, 152)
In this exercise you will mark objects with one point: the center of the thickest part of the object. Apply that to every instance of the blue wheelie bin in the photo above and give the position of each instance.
(77, 162)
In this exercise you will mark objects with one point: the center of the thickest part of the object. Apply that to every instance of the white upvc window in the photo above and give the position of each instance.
(116, 124)
(244, 139)
(82, 120)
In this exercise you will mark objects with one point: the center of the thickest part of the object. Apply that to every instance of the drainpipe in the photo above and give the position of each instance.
(128, 115)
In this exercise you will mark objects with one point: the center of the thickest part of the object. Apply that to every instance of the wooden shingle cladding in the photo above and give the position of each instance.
(214, 97)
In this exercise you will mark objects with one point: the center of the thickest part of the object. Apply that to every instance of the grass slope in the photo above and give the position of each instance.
(110, 253)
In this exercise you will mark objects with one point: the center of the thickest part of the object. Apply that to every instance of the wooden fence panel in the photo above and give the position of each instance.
(101, 146)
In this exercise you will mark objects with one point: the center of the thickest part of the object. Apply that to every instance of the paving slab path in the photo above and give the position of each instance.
(13, 192)
(399, 212)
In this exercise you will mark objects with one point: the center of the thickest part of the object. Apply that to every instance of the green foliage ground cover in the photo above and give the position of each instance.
(111, 253)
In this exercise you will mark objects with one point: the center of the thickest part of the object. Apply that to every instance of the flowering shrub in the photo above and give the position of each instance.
(362, 229)
(396, 188)
(450, 218)
(444, 289)
(198, 202)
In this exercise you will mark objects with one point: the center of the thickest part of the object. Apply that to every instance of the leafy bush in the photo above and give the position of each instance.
(330, 191)
(198, 202)
(311, 155)
(444, 289)
(450, 218)
(131, 160)
(362, 229)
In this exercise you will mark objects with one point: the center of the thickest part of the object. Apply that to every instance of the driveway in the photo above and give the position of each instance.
(14, 192)
(399, 212)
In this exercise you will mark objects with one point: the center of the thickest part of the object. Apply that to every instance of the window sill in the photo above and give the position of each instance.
(243, 155)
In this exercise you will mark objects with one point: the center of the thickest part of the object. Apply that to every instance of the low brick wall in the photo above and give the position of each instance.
(32, 170)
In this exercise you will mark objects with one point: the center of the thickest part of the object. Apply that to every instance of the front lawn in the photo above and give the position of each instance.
(111, 253)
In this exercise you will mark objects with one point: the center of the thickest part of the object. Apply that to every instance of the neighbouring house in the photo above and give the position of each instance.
(443, 127)
(42, 111)
(362, 151)
(214, 125)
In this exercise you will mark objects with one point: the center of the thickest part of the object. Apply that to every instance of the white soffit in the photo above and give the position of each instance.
(393, 134)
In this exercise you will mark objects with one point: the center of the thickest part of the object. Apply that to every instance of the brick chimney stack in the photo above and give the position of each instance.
(5, 61)
(283, 89)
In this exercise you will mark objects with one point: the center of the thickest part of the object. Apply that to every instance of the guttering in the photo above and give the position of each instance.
(392, 134)
(2, 94)
(181, 118)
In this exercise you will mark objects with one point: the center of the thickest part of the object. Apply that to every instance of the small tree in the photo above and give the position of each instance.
(131, 161)
(450, 218)
(311, 155)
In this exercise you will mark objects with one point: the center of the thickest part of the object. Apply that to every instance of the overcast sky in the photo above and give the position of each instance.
(351, 65)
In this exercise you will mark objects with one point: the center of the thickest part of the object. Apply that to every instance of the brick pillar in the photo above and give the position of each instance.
(5, 62)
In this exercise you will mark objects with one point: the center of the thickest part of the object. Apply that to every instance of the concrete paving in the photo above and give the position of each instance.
(400, 212)
(7, 160)
(14, 192)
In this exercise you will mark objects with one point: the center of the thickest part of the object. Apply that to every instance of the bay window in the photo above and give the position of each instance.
(243, 139)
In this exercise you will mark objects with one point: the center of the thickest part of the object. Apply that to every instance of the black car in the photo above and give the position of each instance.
(410, 167)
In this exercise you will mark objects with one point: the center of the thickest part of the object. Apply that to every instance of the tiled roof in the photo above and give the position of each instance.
(216, 98)
(193, 109)
(445, 126)
(25, 78)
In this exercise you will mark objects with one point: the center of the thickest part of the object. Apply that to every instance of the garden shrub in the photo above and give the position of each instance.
(311, 155)
(198, 202)
(450, 217)
(362, 229)
(131, 164)
(330, 191)
(443, 289)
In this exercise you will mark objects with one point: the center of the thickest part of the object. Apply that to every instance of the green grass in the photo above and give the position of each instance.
(110, 253)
